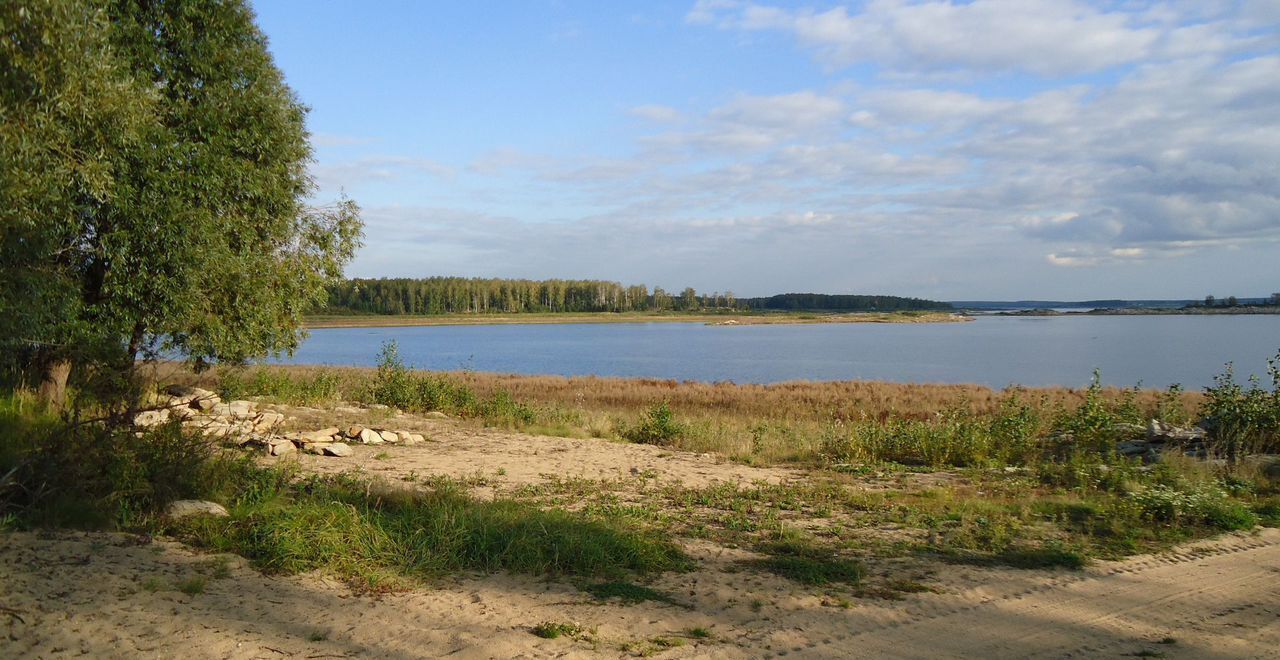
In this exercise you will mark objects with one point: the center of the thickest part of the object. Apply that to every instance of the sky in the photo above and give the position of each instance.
(993, 149)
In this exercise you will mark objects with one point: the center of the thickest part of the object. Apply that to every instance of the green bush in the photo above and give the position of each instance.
(1243, 420)
(658, 426)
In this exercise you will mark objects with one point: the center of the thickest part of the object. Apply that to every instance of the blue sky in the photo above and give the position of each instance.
(986, 149)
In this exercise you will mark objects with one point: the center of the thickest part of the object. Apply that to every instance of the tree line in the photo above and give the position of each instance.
(460, 295)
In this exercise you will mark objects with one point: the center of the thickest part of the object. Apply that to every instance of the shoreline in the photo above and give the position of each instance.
(786, 318)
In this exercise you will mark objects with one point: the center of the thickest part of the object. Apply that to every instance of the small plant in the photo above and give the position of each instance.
(658, 426)
(697, 633)
(318, 636)
(193, 585)
(554, 630)
(381, 456)
(153, 584)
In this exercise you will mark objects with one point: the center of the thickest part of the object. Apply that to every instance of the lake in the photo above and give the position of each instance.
(1154, 351)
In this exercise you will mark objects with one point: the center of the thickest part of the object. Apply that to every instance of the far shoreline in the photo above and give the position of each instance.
(779, 318)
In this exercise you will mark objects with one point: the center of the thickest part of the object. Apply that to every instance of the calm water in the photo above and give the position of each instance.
(995, 351)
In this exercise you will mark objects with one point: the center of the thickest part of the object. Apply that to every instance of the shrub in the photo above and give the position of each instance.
(658, 426)
(1244, 419)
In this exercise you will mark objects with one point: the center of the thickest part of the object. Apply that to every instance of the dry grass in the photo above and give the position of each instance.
(790, 401)
(758, 424)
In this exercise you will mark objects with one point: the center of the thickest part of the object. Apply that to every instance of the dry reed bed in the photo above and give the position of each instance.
(790, 401)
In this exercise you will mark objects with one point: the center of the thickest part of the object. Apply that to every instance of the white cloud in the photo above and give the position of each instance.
(657, 113)
(1051, 37)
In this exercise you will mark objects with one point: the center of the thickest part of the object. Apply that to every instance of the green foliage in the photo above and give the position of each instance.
(1244, 419)
(555, 630)
(658, 426)
(153, 174)
(342, 526)
(1204, 506)
(319, 388)
(89, 475)
(799, 560)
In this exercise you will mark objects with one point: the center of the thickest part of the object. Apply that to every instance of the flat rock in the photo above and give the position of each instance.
(280, 446)
(186, 508)
(412, 438)
(242, 408)
(390, 436)
(265, 421)
(354, 431)
(151, 417)
(323, 435)
(338, 449)
(370, 437)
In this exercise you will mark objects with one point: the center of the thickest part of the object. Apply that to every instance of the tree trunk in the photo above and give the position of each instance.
(53, 389)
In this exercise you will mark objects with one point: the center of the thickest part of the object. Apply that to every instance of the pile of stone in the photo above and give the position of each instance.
(333, 441)
(1159, 438)
(244, 424)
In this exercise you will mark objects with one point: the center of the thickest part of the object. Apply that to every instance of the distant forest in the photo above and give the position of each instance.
(460, 295)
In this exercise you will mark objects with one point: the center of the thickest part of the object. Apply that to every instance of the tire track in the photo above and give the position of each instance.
(1116, 607)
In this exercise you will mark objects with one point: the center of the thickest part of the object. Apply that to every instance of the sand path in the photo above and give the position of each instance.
(92, 594)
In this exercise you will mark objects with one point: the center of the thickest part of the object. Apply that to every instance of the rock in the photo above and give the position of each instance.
(186, 508)
(354, 431)
(183, 412)
(436, 414)
(242, 408)
(321, 436)
(1124, 428)
(412, 439)
(370, 437)
(1158, 431)
(349, 410)
(265, 421)
(280, 446)
(1133, 448)
(252, 440)
(316, 448)
(151, 417)
(338, 449)
(206, 401)
(379, 406)
(390, 437)
(329, 431)
(220, 409)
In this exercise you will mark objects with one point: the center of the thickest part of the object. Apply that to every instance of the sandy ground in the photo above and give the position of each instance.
(116, 595)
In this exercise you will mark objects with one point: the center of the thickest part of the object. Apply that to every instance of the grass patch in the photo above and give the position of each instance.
(809, 564)
(556, 630)
(193, 585)
(379, 537)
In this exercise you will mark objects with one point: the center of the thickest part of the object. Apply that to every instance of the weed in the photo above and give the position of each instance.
(657, 427)
(153, 584)
(698, 633)
(193, 585)
(318, 636)
(554, 630)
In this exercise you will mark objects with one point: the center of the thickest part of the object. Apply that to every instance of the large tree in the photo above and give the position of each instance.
(168, 162)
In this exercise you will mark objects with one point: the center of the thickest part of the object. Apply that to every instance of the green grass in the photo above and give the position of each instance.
(555, 630)
(381, 538)
(194, 585)
(372, 534)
